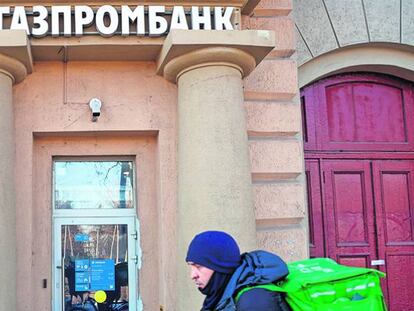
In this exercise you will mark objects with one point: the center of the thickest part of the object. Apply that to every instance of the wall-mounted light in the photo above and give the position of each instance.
(95, 104)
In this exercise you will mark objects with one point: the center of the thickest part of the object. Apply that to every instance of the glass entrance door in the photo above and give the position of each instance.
(95, 264)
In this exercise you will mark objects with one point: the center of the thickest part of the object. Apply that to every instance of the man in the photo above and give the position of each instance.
(225, 277)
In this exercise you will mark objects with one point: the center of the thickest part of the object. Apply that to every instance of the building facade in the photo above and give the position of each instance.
(129, 127)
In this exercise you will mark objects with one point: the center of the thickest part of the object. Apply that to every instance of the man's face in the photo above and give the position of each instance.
(200, 274)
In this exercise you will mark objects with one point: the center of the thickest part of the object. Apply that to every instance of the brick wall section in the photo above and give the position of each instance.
(274, 129)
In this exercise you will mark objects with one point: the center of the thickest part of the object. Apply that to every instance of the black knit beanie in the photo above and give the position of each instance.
(215, 250)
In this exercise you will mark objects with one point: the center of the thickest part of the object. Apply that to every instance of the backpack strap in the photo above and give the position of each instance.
(270, 287)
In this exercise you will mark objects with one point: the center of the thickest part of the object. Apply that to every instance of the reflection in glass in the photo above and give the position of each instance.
(94, 258)
(93, 184)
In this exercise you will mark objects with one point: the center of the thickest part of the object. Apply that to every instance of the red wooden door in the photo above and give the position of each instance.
(349, 212)
(359, 113)
(359, 154)
(394, 194)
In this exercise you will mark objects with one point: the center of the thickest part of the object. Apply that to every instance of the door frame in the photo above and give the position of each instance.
(134, 254)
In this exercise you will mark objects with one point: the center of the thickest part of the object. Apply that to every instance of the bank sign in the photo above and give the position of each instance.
(106, 20)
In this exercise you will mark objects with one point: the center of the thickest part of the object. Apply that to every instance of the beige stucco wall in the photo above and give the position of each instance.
(139, 118)
(57, 121)
(274, 129)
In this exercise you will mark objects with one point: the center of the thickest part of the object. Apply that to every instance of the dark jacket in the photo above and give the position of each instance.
(259, 299)
(257, 268)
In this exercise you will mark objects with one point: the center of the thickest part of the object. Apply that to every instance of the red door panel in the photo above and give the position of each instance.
(349, 214)
(316, 230)
(394, 194)
(365, 112)
(362, 112)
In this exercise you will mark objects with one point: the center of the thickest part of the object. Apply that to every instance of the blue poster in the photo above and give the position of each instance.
(82, 280)
(94, 274)
(102, 274)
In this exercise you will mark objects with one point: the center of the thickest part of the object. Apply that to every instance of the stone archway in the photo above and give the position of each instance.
(356, 35)
(323, 26)
(392, 59)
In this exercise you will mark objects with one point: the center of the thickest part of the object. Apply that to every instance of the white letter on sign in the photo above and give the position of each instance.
(113, 20)
(157, 24)
(83, 17)
(197, 20)
(178, 19)
(65, 10)
(3, 10)
(221, 20)
(19, 20)
(40, 20)
(138, 14)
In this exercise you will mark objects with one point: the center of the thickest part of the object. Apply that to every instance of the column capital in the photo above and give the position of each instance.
(185, 50)
(15, 54)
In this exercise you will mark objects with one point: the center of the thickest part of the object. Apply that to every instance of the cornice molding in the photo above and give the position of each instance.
(15, 54)
(214, 56)
(12, 68)
(241, 49)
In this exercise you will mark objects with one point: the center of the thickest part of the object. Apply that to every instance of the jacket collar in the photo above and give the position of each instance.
(257, 268)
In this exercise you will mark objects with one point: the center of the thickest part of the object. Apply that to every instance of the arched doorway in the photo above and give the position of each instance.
(359, 153)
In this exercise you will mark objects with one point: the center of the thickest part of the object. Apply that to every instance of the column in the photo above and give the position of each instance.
(214, 175)
(11, 71)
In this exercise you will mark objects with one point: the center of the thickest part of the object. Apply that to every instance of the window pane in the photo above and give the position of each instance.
(93, 184)
(95, 264)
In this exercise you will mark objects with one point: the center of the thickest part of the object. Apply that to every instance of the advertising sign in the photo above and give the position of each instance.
(107, 20)
(94, 275)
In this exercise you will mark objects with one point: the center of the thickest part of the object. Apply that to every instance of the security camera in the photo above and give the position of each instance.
(95, 104)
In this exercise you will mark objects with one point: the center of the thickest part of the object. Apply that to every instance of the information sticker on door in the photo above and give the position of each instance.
(94, 274)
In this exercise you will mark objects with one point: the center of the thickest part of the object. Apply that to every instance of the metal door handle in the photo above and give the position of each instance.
(378, 262)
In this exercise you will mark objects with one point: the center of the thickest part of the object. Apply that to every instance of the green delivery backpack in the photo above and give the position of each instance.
(320, 284)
